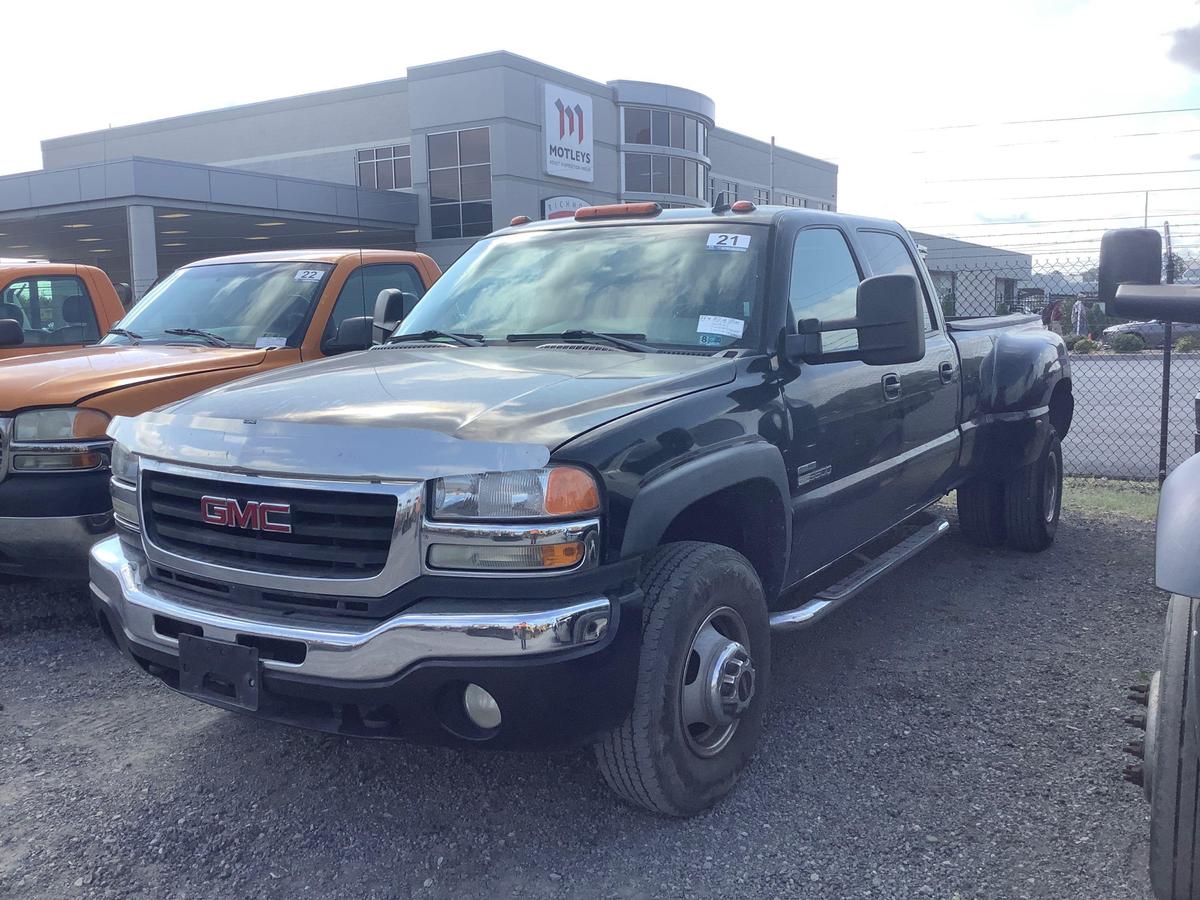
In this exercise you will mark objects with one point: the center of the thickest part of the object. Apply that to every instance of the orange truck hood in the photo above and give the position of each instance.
(71, 376)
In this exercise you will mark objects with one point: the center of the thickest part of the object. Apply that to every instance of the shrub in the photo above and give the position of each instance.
(1189, 343)
(1084, 345)
(1072, 339)
(1125, 342)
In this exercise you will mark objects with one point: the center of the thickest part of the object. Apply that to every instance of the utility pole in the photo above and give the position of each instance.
(771, 189)
(1146, 212)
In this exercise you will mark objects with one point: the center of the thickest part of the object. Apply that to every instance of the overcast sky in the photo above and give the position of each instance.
(871, 86)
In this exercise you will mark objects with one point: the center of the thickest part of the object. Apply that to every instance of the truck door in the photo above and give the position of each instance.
(846, 430)
(929, 400)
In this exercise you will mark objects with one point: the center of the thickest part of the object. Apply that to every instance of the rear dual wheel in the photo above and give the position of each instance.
(1023, 511)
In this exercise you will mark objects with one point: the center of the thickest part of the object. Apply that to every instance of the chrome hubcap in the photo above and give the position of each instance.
(1051, 489)
(718, 682)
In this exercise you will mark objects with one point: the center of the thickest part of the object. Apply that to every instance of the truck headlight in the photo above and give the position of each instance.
(63, 423)
(552, 493)
(124, 464)
(44, 439)
(529, 521)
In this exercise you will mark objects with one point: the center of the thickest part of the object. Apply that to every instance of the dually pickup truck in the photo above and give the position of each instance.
(572, 495)
(207, 323)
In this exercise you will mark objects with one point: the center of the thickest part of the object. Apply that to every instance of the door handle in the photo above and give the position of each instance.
(946, 371)
(891, 386)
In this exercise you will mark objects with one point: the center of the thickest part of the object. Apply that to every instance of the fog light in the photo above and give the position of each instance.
(482, 708)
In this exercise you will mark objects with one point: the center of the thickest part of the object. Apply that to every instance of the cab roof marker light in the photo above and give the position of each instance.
(743, 206)
(617, 210)
(520, 220)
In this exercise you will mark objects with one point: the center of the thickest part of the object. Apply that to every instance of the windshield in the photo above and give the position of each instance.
(259, 304)
(694, 286)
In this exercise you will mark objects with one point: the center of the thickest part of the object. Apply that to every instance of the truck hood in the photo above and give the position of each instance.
(393, 412)
(67, 377)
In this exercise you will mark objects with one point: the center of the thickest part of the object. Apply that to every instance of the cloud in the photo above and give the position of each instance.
(1185, 47)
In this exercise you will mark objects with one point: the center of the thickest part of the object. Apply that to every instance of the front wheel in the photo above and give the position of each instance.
(1172, 763)
(702, 677)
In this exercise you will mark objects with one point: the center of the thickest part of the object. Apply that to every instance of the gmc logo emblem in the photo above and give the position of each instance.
(567, 117)
(253, 515)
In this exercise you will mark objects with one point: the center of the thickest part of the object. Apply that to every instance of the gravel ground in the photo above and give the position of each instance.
(955, 732)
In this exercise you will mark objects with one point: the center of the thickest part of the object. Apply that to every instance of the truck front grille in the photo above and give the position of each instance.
(334, 534)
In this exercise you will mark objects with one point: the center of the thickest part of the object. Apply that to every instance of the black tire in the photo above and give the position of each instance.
(1175, 786)
(981, 513)
(1031, 509)
(650, 760)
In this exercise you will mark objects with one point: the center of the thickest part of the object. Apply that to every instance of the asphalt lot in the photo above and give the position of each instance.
(1117, 410)
(954, 733)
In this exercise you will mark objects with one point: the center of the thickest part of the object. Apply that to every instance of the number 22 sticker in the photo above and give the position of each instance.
(738, 242)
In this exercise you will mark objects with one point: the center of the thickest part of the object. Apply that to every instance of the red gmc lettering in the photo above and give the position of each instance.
(252, 515)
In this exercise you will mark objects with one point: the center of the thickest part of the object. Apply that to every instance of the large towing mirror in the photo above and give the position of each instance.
(392, 306)
(11, 333)
(889, 319)
(1130, 279)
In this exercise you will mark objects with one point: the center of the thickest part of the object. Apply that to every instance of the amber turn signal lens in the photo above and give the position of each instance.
(559, 556)
(89, 423)
(570, 491)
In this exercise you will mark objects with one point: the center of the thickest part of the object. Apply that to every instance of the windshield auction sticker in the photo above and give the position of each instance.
(309, 275)
(739, 242)
(720, 324)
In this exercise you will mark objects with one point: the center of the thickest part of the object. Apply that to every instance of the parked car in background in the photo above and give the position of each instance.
(207, 323)
(1151, 332)
(50, 306)
(569, 499)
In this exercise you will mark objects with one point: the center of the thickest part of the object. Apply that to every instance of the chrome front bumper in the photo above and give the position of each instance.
(346, 650)
(51, 546)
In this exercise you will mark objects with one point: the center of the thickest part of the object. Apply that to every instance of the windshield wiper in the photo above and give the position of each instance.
(215, 339)
(624, 341)
(467, 340)
(125, 332)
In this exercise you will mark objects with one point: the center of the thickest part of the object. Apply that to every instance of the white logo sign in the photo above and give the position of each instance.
(568, 127)
(561, 207)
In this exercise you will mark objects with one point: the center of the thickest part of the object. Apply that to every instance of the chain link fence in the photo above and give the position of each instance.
(1116, 365)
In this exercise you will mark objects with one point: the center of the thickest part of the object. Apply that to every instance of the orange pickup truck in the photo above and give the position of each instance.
(209, 322)
(55, 306)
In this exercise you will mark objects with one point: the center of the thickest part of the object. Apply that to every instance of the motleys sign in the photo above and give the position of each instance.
(568, 127)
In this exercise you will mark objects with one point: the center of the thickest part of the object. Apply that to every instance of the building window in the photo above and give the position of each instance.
(460, 183)
(653, 173)
(791, 200)
(718, 185)
(385, 168)
(662, 128)
(762, 196)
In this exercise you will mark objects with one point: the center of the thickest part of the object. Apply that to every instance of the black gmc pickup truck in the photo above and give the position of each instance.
(572, 496)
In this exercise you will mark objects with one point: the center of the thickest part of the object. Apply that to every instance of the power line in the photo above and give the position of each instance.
(1157, 190)
(1164, 212)
(995, 234)
(1056, 177)
(1120, 115)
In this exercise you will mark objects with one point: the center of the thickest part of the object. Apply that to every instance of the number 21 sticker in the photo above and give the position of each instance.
(739, 242)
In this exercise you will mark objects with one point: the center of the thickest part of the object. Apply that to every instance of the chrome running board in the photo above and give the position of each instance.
(835, 595)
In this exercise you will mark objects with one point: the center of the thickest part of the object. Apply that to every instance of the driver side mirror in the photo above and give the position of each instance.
(889, 318)
(353, 334)
(11, 333)
(392, 306)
